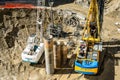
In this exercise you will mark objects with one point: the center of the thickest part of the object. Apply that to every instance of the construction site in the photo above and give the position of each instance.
(59, 39)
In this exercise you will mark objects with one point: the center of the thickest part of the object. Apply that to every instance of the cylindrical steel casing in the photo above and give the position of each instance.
(49, 60)
(57, 55)
(64, 54)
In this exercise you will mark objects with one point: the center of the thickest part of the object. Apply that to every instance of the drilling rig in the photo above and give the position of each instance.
(90, 47)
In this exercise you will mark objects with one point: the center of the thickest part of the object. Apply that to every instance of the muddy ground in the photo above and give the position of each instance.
(15, 27)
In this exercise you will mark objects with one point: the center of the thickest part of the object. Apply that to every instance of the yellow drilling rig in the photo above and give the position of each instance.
(90, 47)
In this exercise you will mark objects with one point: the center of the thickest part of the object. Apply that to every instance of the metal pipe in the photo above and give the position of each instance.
(40, 21)
(49, 60)
(51, 13)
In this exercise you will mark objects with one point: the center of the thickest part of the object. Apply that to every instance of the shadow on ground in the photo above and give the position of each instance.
(107, 71)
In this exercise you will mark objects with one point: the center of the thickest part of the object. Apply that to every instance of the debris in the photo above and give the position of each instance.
(117, 23)
(84, 3)
(69, 74)
(118, 30)
(54, 30)
(72, 21)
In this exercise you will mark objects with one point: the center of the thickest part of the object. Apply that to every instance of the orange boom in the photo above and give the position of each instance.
(21, 3)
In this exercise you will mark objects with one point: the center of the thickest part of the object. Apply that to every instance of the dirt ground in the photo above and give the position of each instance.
(15, 27)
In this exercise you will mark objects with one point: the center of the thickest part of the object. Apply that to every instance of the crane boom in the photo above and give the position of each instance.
(92, 20)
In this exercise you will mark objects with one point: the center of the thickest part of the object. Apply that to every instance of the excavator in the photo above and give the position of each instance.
(90, 46)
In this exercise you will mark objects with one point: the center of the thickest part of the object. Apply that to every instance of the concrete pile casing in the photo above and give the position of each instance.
(57, 55)
(49, 60)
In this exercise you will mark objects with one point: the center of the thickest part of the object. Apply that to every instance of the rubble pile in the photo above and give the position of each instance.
(84, 3)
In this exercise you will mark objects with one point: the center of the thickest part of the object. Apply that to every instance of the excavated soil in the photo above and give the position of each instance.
(15, 27)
